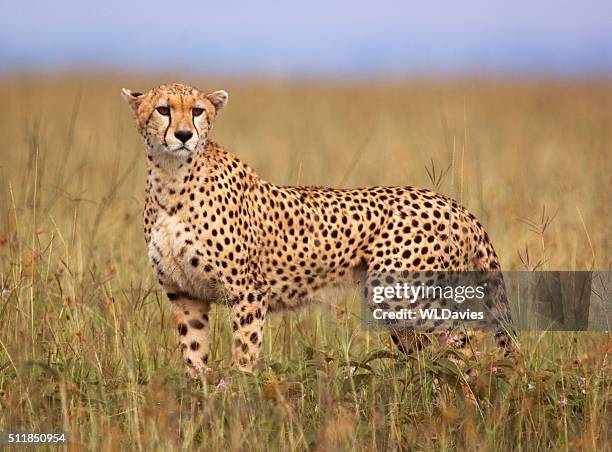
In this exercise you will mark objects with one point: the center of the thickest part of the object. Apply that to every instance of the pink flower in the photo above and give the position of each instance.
(563, 401)
(222, 384)
(450, 340)
(351, 371)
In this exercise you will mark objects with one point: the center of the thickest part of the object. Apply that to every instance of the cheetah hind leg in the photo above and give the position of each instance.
(409, 342)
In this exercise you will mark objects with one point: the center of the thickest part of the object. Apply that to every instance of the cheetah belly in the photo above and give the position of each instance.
(171, 257)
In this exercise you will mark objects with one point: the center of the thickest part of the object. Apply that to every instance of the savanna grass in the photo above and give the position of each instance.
(87, 345)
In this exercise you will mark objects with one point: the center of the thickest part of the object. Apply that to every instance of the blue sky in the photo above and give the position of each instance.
(310, 38)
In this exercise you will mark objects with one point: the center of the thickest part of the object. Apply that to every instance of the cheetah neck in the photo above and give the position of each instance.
(166, 175)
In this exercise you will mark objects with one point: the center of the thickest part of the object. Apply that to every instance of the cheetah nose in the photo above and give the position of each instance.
(183, 135)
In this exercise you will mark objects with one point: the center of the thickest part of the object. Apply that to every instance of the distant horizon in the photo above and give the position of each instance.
(266, 77)
(315, 40)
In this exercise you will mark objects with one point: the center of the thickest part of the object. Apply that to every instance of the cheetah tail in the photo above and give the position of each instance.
(486, 259)
(487, 264)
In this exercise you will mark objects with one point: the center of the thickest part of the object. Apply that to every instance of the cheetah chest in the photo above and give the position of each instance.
(177, 261)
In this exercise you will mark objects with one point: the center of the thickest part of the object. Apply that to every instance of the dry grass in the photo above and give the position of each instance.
(85, 342)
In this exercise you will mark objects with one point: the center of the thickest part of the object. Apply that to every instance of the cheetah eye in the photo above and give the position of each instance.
(164, 111)
(197, 111)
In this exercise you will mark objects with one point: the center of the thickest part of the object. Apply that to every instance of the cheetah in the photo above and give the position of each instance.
(218, 233)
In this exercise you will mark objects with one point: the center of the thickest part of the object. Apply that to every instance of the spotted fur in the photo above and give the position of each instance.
(218, 233)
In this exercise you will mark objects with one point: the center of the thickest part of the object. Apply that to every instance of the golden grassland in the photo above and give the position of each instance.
(87, 345)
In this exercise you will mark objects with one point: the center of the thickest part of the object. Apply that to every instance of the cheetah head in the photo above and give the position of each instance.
(174, 119)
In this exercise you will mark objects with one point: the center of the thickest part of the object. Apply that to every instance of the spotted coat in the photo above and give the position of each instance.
(218, 233)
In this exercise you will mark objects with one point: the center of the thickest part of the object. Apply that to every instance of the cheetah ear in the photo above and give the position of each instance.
(132, 98)
(218, 99)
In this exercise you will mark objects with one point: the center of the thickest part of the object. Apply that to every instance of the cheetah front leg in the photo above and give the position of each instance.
(249, 307)
(193, 327)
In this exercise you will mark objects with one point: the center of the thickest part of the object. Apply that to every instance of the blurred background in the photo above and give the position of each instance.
(310, 39)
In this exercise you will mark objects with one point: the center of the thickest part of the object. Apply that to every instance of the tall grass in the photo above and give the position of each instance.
(86, 343)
